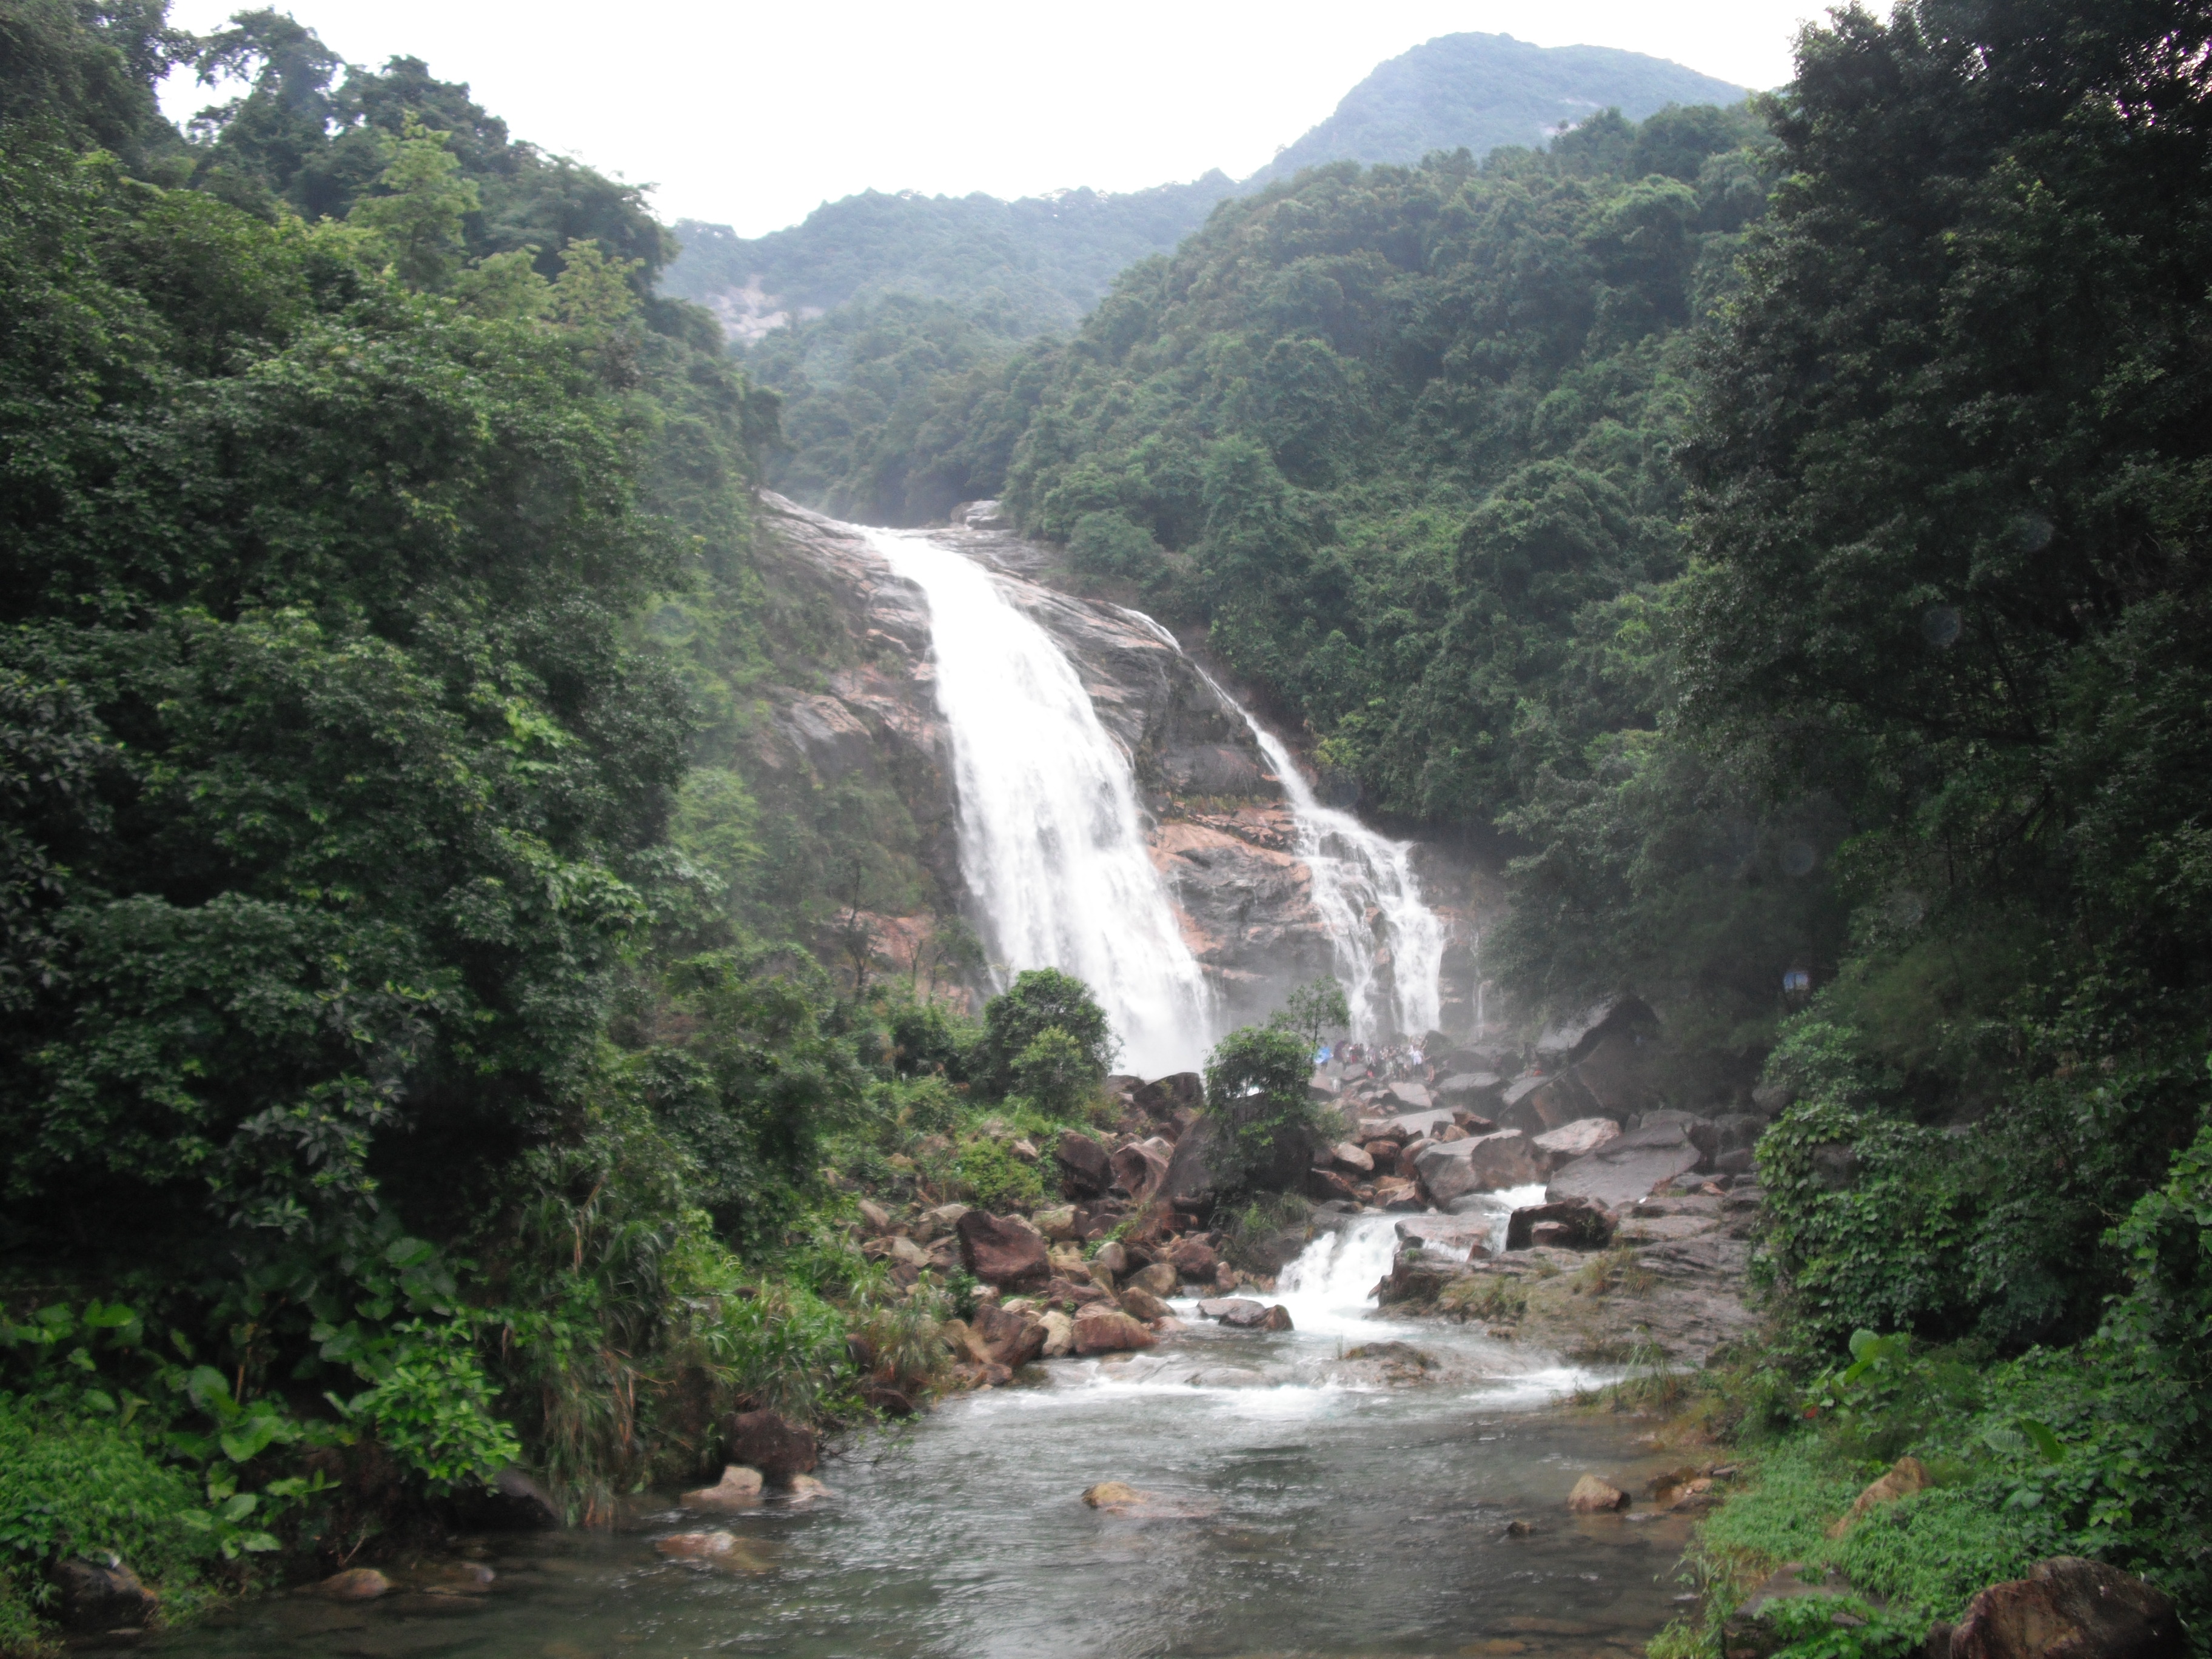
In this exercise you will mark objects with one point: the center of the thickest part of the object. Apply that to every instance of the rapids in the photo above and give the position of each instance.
(1320, 1508)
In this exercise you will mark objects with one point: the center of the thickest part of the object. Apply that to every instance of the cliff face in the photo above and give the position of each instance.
(1220, 830)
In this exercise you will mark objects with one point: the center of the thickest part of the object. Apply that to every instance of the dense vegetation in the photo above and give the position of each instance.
(1791, 538)
(409, 1065)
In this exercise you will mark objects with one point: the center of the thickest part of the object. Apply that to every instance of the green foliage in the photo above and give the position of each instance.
(1255, 1099)
(1057, 1072)
(995, 1179)
(1312, 1010)
(1042, 1000)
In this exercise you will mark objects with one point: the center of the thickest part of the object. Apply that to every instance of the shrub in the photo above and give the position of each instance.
(996, 1180)
(1039, 1000)
(1255, 1094)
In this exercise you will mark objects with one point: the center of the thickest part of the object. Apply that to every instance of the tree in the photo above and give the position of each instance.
(1255, 1098)
(421, 203)
(1041, 1000)
(1312, 1009)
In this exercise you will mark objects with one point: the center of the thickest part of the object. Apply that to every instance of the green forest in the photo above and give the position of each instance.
(1779, 532)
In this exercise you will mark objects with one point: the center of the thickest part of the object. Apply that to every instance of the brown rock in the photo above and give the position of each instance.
(1114, 1495)
(1003, 1250)
(1140, 1166)
(1579, 1138)
(1160, 1278)
(770, 1443)
(1221, 1307)
(1194, 1258)
(1058, 1335)
(739, 1488)
(1393, 1193)
(1011, 1338)
(1100, 1329)
(1352, 1159)
(1907, 1476)
(876, 1218)
(2069, 1609)
(1112, 1257)
(1324, 1185)
(354, 1584)
(1139, 1302)
(805, 1488)
(1588, 1226)
(1084, 1166)
(1277, 1318)
(1592, 1495)
(714, 1549)
(961, 1338)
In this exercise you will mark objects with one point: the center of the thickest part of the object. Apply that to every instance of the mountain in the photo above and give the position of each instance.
(1478, 92)
(1037, 264)
(1033, 266)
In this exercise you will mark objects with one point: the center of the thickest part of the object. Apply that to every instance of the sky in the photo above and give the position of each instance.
(752, 115)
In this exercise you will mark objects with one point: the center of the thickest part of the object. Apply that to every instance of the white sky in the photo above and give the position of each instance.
(752, 114)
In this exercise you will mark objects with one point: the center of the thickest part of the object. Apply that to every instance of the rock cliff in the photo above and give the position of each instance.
(1220, 830)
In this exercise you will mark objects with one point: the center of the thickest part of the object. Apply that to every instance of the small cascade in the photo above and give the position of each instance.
(1051, 839)
(1330, 1289)
(1391, 963)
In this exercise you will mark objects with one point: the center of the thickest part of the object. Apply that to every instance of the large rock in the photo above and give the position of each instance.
(1194, 1258)
(1162, 1098)
(1580, 1138)
(1010, 1337)
(353, 1585)
(1245, 1315)
(1195, 1174)
(101, 1595)
(1475, 1091)
(1160, 1278)
(1452, 1169)
(1352, 1160)
(1906, 1477)
(1412, 1095)
(1220, 1307)
(2069, 1609)
(1101, 1327)
(739, 1488)
(771, 1443)
(1085, 1168)
(1003, 1250)
(1463, 1236)
(1139, 1302)
(1058, 1335)
(1627, 1169)
(1592, 1495)
(1140, 1166)
(1585, 1226)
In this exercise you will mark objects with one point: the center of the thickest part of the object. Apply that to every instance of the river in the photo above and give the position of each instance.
(1317, 1512)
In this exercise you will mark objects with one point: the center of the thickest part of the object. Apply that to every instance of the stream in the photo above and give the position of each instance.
(1321, 1510)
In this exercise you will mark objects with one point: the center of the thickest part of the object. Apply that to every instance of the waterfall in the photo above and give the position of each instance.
(1357, 871)
(1051, 840)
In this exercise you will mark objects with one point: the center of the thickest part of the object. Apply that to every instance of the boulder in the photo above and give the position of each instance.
(961, 1341)
(1414, 1095)
(2069, 1609)
(1067, 1261)
(1084, 1166)
(1324, 1185)
(354, 1584)
(1194, 1258)
(873, 1217)
(805, 1489)
(1592, 1495)
(1470, 1089)
(1113, 1257)
(1451, 1169)
(1010, 1337)
(1022, 1150)
(1220, 1307)
(1160, 1278)
(1352, 1160)
(772, 1443)
(1139, 1302)
(104, 1596)
(1114, 1495)
(1058, 1224)
(1620, 1173)
(1580, 1138)
(1164, 1097)
(1003, 1250)
(714, 1549)
(1100, 1328)
(1907, 1476)
(739, 1488)
(1140, 1166)
(1058, 1335)
(1586, 1225)
(1466, 1237)
(1243, 1313)
(1395, 1192)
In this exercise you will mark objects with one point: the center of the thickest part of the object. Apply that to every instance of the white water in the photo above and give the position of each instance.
(1369, 898)
(1051, 840)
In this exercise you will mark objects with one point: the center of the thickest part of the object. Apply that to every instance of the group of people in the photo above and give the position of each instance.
(1390, 1061)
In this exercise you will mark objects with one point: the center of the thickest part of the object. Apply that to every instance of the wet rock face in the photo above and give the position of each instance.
(1222, 832)
(2069, 1609)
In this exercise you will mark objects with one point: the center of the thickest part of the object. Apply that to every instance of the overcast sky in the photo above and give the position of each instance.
(751, 115)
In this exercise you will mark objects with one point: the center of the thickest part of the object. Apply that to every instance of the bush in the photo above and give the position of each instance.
(1056, 1073)
(1255, 1094)
(997, 1180)
(1041, 1000)
(80, 1486)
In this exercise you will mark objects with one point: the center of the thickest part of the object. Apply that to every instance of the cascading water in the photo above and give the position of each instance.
(1354, 870)
(1051, 839)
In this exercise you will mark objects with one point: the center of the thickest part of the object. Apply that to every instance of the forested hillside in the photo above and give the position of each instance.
(1484, 92)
